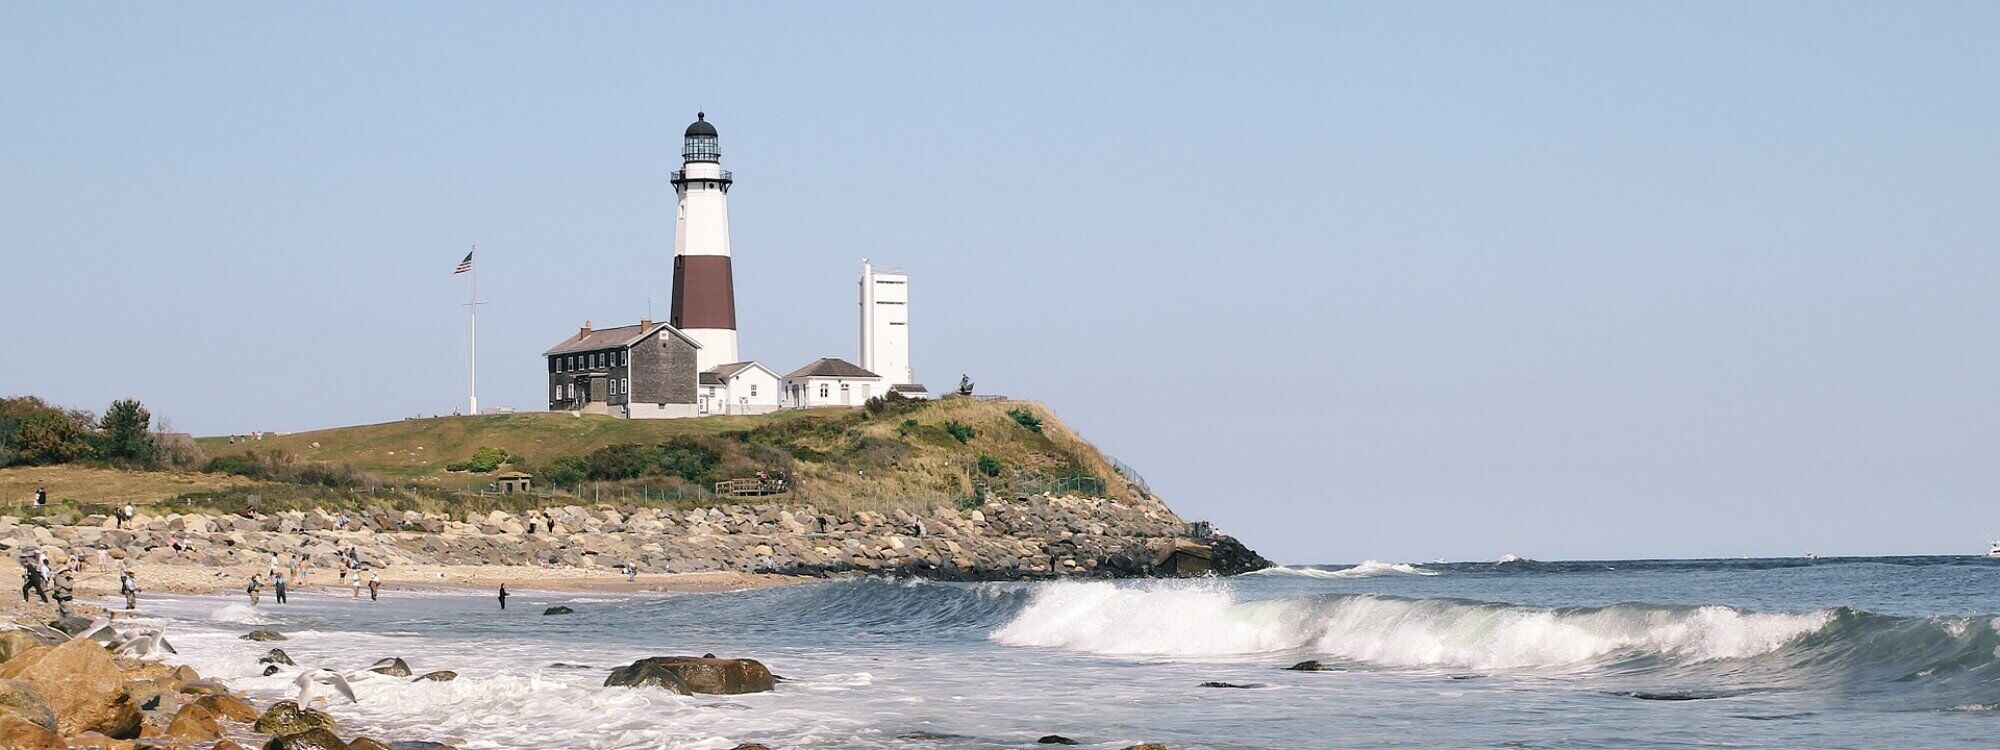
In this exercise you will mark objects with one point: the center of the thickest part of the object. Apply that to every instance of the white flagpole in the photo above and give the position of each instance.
(473, 401)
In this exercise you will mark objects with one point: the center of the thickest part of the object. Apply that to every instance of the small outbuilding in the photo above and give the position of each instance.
(510, 482)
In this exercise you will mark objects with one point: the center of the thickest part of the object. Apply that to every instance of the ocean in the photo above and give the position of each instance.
(1773, 653)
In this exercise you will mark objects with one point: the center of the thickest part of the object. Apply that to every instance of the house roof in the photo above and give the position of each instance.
(612, 338)
(708, 378)
(909, 388)
(736, 368)
(832, 367)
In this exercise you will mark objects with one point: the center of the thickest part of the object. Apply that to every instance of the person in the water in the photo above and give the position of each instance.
(503, 596)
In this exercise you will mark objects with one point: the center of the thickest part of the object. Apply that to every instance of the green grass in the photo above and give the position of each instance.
(916, 455)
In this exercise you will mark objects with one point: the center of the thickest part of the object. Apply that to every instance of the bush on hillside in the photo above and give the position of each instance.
(989, 465)
(483, 460)
(1027, 419)
(891, 403)
(33, 431)
(278, 465)
(686, 459)
(566, 471)
(960, 432)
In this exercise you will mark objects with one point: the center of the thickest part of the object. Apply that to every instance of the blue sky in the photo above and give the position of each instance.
(1389, 281)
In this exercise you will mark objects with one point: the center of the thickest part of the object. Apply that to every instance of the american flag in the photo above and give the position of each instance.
(464, 265)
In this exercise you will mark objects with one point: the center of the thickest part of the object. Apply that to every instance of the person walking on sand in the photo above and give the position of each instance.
(357, 588)
(31, 580)
(254, 589)
(503, 596)
(374, 585)
(278, 587)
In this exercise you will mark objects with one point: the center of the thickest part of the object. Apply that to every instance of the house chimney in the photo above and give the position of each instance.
(645, 324)
(584, 332)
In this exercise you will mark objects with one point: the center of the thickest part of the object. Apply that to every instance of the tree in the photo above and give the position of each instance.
(49, 437)
(126, 431)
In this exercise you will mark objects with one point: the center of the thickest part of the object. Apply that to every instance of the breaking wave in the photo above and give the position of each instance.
(1368, 569)
(1711, 645)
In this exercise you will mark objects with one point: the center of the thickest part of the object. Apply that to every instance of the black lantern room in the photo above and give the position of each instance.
(701, 144)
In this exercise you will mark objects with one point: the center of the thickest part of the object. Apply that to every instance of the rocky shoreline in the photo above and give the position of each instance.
(1039, 536)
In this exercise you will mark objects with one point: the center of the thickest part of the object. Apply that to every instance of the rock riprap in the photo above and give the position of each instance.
(1035, 536)
(689, 675)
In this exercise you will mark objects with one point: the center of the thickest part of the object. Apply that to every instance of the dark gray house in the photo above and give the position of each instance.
(644, 371)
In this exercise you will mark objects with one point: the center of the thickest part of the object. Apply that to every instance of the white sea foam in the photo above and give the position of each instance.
(1205, 620)
(1367, 569)
(239, 612)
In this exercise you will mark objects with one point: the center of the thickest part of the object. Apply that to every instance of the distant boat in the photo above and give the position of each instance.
(1810, 555)
(1993, 550)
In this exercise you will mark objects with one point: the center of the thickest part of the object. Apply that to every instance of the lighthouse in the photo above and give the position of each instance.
(704, 301)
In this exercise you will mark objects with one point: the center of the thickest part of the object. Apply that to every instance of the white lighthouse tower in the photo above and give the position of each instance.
(704, 305)
(885, 324)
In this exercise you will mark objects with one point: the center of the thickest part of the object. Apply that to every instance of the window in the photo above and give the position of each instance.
(556, 392)
(822, 390)
(753, 389)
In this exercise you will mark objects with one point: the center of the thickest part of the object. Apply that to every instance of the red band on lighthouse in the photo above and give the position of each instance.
(704, 293)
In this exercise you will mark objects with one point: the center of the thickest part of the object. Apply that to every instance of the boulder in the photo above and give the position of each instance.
(229, 707)
(225, 744)
(72, 625)
(1056, 739)
(442, 675)
(204, 687)
(363, 743)
(16, 640)
(84, 686)
(276, 656)
(1307, 666)
(558, 610)
(262, 635)
(193, 722)
(271, 669)
(751, 746)
(17, 733)
(97, 741)
(315, 738)
(286, 717)
(393, 666)
(19, 698)
(688, 675)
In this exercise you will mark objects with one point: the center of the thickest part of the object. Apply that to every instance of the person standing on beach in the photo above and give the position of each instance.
(256, 585)
(374, 585)
(503, 596)
(278, 587)
(65, 591)
(357, 588)
(128, 585)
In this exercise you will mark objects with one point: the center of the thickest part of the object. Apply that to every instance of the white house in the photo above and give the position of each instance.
(831, 381)
(740, 388)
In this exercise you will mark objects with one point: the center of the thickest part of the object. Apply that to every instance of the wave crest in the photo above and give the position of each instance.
(1204, 619)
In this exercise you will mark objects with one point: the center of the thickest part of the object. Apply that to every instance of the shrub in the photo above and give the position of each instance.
(50, 438)
(483, 460)
(1026, 419)
(989, 465)
(567, 470)
(960, 432)
(244, 465)
(891, 403)
(686, 459)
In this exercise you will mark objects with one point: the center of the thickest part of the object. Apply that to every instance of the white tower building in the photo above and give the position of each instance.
(704, 305)
(885, 324)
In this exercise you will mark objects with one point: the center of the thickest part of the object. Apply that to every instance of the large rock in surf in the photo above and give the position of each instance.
(315, 738)
(688, 675)
(84, 686)
(229, 707)
(276, 656)
(442, 675)
(393, 666)
(1307, 666)
(363, 743)
(287, 718)
(558, 610)
(262, 635)
(72, 625)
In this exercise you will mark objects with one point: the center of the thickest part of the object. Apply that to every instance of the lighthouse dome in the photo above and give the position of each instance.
(700, 126)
